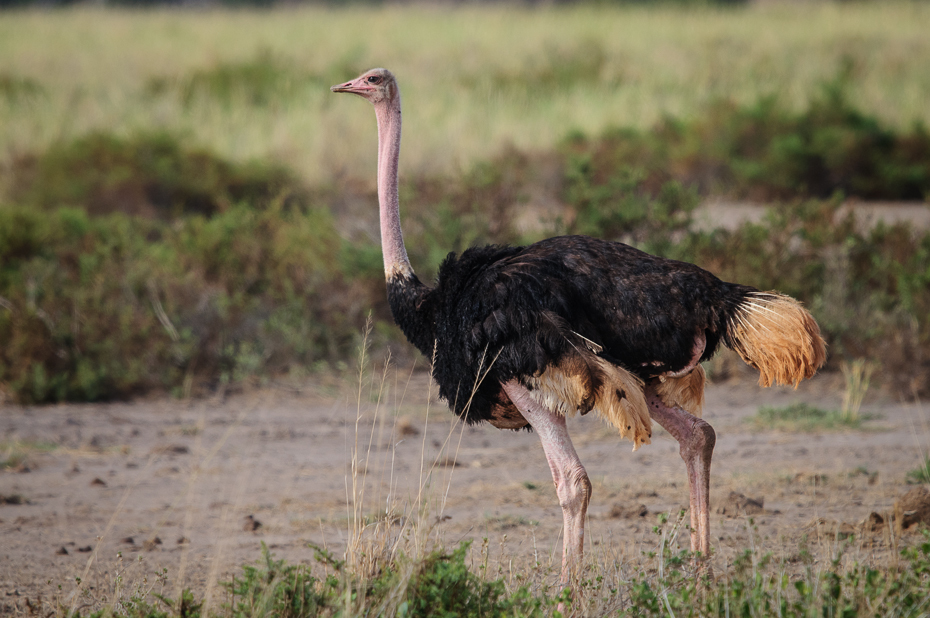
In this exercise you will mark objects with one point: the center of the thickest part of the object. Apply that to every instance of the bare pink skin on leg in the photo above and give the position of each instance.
(696, 439)
(571, 481)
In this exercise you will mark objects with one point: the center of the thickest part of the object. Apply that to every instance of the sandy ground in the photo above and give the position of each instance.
(159, 494)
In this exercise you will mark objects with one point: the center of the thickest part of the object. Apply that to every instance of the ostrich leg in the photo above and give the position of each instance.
(696, 439)
(571, 481)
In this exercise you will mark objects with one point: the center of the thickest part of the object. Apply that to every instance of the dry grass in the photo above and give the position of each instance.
(857, 375)
(474, 79)
(15, 454)
(383, 523)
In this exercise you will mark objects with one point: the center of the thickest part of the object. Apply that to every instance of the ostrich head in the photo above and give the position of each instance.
(376, 85)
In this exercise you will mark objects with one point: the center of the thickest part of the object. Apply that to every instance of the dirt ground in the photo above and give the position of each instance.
(160, 494)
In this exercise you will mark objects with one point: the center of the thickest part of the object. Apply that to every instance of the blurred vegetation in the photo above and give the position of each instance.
(804, 417)
(921, 474)
(111, 304)
(15, 89)
(266, 80)
(151, 175)
(338, 3)
(477, 79)
(764, 151)
(140, 262)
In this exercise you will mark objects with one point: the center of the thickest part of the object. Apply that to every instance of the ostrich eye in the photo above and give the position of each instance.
(374, 79)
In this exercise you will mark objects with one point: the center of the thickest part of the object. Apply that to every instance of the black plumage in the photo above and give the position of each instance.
(499, 313)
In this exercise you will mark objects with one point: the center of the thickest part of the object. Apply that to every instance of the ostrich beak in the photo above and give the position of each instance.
(356, 86)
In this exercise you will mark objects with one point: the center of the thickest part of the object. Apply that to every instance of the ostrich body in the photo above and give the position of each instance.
(527, 336)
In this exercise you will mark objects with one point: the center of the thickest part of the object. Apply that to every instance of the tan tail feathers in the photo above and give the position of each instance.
(777, 336)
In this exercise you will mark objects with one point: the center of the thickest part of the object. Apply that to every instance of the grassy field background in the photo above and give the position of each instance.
(250, 84)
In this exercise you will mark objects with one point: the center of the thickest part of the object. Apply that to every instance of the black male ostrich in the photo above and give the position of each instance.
(530, 335)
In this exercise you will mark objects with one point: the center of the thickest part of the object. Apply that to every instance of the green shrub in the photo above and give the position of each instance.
(114, 305)
(764, 151)
(443, 586)
(151, 175)
(274, 588)
(437, 585)
(613, 200)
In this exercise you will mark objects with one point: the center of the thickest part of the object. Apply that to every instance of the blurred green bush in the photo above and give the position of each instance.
(132, 264)
(765, 152)
(152, 175)
(109, 306)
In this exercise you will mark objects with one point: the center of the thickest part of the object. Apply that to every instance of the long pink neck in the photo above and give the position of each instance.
(392, 239)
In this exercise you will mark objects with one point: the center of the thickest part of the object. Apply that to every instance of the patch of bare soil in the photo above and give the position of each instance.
(164, 494)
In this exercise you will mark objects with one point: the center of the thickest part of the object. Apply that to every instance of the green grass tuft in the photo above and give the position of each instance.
(920, 474)
(804, 417)
(15, 453)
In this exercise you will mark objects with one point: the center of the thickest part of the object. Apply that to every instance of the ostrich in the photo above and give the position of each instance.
(527, 336)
